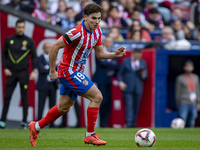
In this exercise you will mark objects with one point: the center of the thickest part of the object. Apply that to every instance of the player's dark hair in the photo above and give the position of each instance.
(92, 8)
(19, 21)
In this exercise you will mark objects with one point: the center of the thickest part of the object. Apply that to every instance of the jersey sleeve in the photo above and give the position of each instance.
(71, 36)
(99, 42)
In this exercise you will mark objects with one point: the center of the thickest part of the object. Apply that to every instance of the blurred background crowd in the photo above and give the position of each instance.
(176, 19)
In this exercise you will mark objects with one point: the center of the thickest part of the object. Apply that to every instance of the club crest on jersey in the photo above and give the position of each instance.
(24, 45)
(85, 82)
(70, 34)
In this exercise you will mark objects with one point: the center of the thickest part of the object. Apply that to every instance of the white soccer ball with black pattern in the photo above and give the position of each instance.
(177, 123)
(145, 138)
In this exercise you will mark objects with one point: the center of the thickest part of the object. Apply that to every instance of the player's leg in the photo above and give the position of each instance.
(23, 77)
(65, 102)
(10, 85)
(95, 96)
(80, 84)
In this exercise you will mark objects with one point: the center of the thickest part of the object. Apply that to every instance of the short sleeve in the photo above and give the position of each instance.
(99, 42)
(71, 35)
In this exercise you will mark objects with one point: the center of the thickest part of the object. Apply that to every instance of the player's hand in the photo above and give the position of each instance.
(53, 75)
(121, 52)
(32, 75)
(7, 72)
(122, 86)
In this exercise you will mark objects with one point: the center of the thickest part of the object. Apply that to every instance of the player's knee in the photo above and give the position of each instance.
(98, 98)
(64, 108)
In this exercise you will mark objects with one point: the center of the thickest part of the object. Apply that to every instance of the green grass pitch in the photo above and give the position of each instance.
(117, 139)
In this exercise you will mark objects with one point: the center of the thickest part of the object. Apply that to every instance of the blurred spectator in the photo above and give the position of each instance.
(60, 13)
(115, 34)
(189, 34)
(187, 94)
(105, 70)
(78, 7)
(55, 6)
(145, 36)
(178, 30)
(149, 5)
(130, 5)
(15, 59)
(198, 36)
(154, 18)
(22, 5)
(105, 6)
(196, 14)
(138, 4)
(138, 15)
(43, 13)
(178, 15)
(167, 35)
(114, 19)
(79, 16)
(121, 5)
(169, 42)
(69, 21)
(136, 36)
(45, 86)
(134, 70)
(165, 10)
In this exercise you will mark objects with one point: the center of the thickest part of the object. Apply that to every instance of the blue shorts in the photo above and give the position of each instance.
(77, 84)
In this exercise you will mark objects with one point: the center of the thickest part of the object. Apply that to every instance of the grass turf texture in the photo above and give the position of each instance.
(117, 139)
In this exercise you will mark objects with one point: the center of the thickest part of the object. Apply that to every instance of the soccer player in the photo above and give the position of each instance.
(78, 43)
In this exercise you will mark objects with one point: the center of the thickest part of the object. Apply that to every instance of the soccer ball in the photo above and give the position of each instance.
(177, 123)
(145, 138)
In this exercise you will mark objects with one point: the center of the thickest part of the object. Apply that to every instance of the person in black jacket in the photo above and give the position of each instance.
(15, 59)
(45, 86)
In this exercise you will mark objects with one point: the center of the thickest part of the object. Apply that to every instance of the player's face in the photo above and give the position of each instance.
(92, 21)
(19, 29)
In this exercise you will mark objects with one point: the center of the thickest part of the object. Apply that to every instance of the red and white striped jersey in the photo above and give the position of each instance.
(79, 43)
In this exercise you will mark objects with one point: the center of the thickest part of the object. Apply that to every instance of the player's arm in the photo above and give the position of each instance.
(53, 52)
(101, 54)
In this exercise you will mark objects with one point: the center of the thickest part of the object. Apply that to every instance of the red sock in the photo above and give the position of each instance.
(92, 114)
(50, 117)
